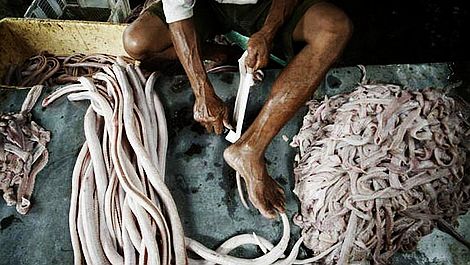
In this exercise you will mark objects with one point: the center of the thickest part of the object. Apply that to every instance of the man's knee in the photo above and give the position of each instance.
(133, 43)
(146, 36)
(329, 19)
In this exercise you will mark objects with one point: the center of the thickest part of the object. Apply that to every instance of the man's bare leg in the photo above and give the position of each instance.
(325, 29)
(148, 39)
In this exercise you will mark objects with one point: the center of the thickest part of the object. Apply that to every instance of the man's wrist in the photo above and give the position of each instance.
(268, 32)
(203, 90)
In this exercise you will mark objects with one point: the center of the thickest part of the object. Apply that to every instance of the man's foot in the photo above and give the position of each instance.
(263, 191)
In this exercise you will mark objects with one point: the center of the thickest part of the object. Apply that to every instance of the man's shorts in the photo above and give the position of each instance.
(212, 18)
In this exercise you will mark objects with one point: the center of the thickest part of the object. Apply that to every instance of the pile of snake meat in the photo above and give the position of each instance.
(23, 153)
(377, 169)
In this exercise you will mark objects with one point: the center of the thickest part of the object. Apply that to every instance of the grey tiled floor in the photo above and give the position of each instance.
(197, 175)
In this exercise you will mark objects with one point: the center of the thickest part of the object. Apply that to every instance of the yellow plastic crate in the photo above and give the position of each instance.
(21, 38)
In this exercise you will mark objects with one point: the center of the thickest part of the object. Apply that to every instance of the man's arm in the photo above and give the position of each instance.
(209, 110)
(260, 43)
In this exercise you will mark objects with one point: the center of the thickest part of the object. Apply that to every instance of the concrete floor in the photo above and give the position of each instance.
(197, 175)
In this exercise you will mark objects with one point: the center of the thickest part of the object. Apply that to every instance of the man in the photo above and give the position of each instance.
(321, 28)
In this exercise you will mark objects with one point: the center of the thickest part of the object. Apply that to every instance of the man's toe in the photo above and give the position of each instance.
(268, 213)
(280, 206)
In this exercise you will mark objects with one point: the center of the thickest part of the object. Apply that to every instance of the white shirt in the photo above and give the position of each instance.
(176, 10)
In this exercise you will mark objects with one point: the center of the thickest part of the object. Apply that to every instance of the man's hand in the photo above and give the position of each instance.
(212, 113)
(209, 110)
(259, 47)
(260, 43)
